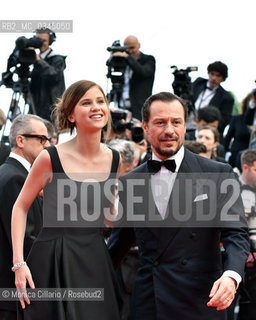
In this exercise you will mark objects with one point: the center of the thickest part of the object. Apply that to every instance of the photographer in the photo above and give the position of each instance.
(47, 77)
(138, 77)
(209, 91)
(248, 193)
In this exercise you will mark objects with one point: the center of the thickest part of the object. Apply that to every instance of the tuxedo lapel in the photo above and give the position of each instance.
(13, 162)
(149, 205)
(217, 98)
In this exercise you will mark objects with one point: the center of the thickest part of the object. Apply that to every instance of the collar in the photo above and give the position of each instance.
(212, 88)
(241, 180)
(21, 160)
(178, 157)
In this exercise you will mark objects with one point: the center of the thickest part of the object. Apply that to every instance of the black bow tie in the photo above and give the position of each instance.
(154, 166)
(211, 88)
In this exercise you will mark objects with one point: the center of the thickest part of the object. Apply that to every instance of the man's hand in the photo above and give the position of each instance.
(222, 293)
(37, 55)
(120, 54)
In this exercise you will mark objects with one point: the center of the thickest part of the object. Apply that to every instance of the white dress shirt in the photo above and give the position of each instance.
(205, 97)
(162, 182)
(21, 160)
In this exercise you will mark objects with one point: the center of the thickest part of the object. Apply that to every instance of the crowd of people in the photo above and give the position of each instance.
(169, 265)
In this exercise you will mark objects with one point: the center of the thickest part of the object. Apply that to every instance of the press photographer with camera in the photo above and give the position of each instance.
(45, 83)
(209, 91)
(47, 77)
(138, 77)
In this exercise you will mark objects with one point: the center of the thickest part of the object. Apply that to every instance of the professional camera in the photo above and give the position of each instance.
(120, 123)
(119, 120)
(21, 58)
(182, 85)
(137, 134)
(116, 46)
(116, 69)
(28, 55)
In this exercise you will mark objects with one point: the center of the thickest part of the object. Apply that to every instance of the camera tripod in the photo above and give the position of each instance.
(20, 91)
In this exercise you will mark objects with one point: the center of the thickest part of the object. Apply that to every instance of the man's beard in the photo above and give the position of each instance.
(167, 153)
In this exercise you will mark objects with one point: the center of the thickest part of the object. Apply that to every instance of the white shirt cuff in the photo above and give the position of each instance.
(234, 275)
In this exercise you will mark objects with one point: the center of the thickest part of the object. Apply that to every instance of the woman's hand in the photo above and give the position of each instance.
(22, 276)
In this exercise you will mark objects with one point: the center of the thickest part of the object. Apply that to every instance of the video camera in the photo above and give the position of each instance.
(120, 124)
(116, 69)
(182, 85)
(119, 120)
(28, 55)
(116, 46)
(21, 58)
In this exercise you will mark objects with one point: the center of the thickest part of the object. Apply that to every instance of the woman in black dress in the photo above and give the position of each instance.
(70, 254)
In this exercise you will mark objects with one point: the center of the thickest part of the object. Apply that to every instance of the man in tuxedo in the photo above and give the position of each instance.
(181, 273)
(138, 78)
(28, 136)
(209, 91)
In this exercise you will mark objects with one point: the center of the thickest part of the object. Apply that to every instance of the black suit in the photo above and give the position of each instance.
(241, 134)
(221, 100)
(13, 175)
(141, 82)
(178, 265)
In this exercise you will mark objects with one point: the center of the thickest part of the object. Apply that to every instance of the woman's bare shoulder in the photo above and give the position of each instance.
(43, 162)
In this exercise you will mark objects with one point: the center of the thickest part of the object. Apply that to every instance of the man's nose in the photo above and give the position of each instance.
(169, 128)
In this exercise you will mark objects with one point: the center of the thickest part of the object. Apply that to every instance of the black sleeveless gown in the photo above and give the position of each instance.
(72, 257)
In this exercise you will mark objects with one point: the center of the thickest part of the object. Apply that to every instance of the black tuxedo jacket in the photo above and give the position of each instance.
(12, 177)
(141, 82)
(240, 133)
(179, 263)
(221, 100)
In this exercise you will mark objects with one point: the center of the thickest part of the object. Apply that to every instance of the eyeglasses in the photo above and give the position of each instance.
(42, 138)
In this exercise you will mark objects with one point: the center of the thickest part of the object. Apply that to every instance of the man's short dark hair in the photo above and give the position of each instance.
(220, 67)
(164, 97)
(52, 34)
(209, 114)
(213, 130)
(195, 146)
(248, 157)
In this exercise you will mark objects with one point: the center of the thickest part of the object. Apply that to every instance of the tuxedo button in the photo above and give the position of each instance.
(184, 262)
(192, 235)
(156, 263)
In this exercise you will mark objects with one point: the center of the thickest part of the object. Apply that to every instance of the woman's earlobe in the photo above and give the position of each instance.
(71, 119)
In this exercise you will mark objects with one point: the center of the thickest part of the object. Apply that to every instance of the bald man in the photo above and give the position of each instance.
(139, 76)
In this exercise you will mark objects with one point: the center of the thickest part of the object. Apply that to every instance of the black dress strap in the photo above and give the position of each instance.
(56, 164)
(115, 161)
